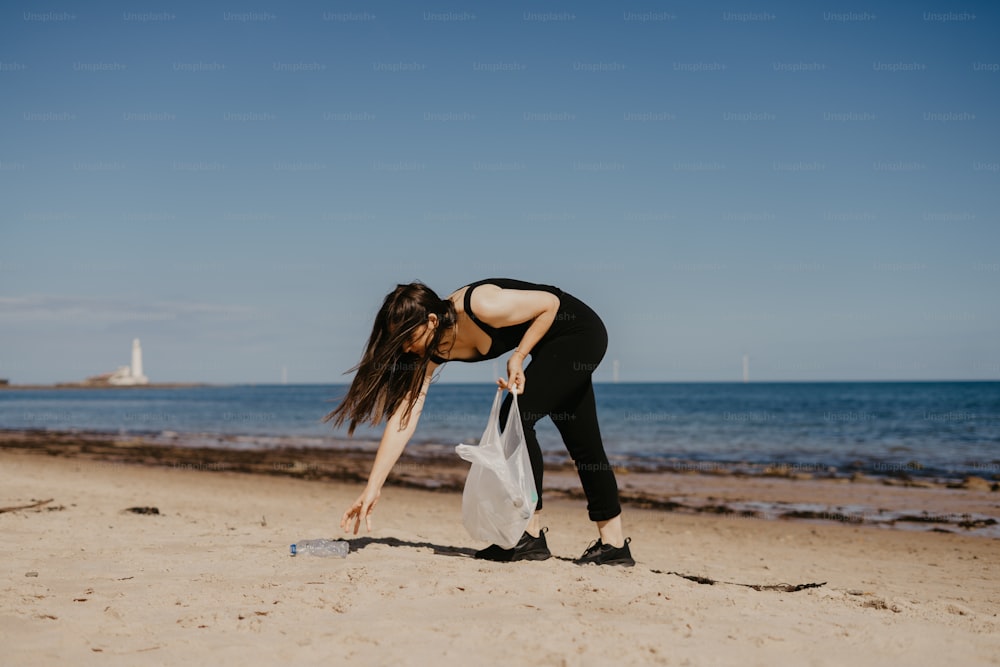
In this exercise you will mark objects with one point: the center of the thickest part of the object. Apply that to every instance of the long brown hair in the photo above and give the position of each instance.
(386, 376)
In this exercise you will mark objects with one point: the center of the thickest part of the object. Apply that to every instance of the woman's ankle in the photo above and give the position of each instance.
(611, 531)
(535, 524)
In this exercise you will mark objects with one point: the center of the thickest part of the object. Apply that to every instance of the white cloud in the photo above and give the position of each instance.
(97, 310)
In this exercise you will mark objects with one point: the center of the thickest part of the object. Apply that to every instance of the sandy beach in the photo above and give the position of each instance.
(209, 579)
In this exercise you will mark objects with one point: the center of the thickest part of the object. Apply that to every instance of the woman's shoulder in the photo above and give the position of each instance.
(483, 295)
(508, 283)
(478, 287)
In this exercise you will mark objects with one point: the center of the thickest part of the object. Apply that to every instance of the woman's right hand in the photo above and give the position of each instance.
(362, 507)
(515, 374)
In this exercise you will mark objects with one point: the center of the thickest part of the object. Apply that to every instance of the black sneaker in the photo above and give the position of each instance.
(527, 548)
(599, 553)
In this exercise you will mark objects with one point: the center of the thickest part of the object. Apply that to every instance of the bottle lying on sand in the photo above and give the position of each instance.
(329, 548)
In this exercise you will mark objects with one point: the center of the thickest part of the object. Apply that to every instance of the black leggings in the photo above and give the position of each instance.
(557, 384)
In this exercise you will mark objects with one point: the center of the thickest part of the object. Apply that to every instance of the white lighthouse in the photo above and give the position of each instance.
(126, 376)
(137, 376)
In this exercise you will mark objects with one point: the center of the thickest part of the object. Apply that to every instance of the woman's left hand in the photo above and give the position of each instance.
(515, 374)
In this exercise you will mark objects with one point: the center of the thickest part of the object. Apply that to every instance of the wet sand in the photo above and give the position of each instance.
(970, 507)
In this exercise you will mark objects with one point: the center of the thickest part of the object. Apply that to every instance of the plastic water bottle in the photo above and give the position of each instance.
(327, 548)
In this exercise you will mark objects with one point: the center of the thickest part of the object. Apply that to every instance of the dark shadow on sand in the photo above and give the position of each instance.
(359, 543)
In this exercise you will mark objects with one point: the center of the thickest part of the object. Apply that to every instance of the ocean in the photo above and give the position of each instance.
(918, 429)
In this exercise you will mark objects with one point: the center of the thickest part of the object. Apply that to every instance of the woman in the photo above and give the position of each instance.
(415, 331)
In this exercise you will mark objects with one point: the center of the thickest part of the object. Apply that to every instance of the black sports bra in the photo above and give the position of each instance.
(503, 339)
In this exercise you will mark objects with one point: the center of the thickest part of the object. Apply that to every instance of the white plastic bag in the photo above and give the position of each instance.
(500, 495)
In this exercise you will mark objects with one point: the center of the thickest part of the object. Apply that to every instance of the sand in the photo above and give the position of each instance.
(209, 580)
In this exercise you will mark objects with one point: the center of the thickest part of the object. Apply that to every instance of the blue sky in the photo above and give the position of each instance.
(815, 185)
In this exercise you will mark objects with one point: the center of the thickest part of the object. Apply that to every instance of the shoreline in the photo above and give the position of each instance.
(911, 475)
(905, 433)
(773, 493)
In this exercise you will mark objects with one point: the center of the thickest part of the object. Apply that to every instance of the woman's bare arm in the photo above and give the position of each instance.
(395, 437)
(506, 307)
